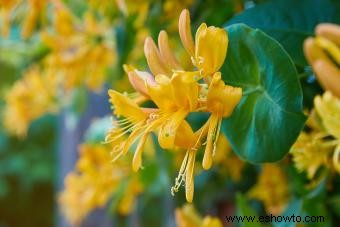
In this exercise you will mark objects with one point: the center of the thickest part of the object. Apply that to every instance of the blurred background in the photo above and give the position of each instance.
(58, 58)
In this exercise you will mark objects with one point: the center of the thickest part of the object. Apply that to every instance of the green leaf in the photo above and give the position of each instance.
(269, 117)
(290, 21)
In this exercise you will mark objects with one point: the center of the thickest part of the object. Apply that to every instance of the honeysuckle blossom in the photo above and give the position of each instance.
(323, 53)
(94, 181)
(320, 146)
(175, 93)
(85, 58)
(30, 98)
(35, 14)
(271, 189)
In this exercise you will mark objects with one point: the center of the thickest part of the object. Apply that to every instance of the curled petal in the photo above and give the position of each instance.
(139, 79)
(222, 99)
(210, 49)
(161, 93)
(125, 107)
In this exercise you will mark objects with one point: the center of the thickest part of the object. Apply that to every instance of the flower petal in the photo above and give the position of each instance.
(155, 62)
(125, 107)
(185, 32)
(210, 49)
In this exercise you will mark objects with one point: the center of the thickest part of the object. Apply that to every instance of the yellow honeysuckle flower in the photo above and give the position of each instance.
(187, 216)
(323, 54)
(221, 101)
(176, 93)
(210, 47)
(64, 20)
(93, 183)
(174, 98)
(328, 108)
(127, 203)
(271, 189)
(310, 153)
(320, 147)
(25, 102)
(208, 52)
(35, 13)
(85, 58)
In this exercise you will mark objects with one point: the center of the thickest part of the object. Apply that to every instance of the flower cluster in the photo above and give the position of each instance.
(175, 93)
(36, 15)
(271, 189)
(87, 54)
(31, 97)
(320, 147)
(94, 181)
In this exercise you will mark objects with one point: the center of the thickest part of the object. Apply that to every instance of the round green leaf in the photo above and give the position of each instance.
(269, 117)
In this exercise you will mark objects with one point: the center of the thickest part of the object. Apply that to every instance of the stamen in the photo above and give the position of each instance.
(116, 149)
(189, 176)
(180, 178)
(137, 158)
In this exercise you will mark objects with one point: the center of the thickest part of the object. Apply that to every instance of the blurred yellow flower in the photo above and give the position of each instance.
(187, 216)
(94, 182)
(310, 153)
(271, 189)
(6, 8)
(323, 53)
(320, 147)
(87, 54)
(30, 98)
(35, 13)
(328, 109)
(176, 93)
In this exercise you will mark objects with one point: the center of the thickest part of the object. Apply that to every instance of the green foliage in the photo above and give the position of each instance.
(269, 117)
(290, 22)
(27, 173)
